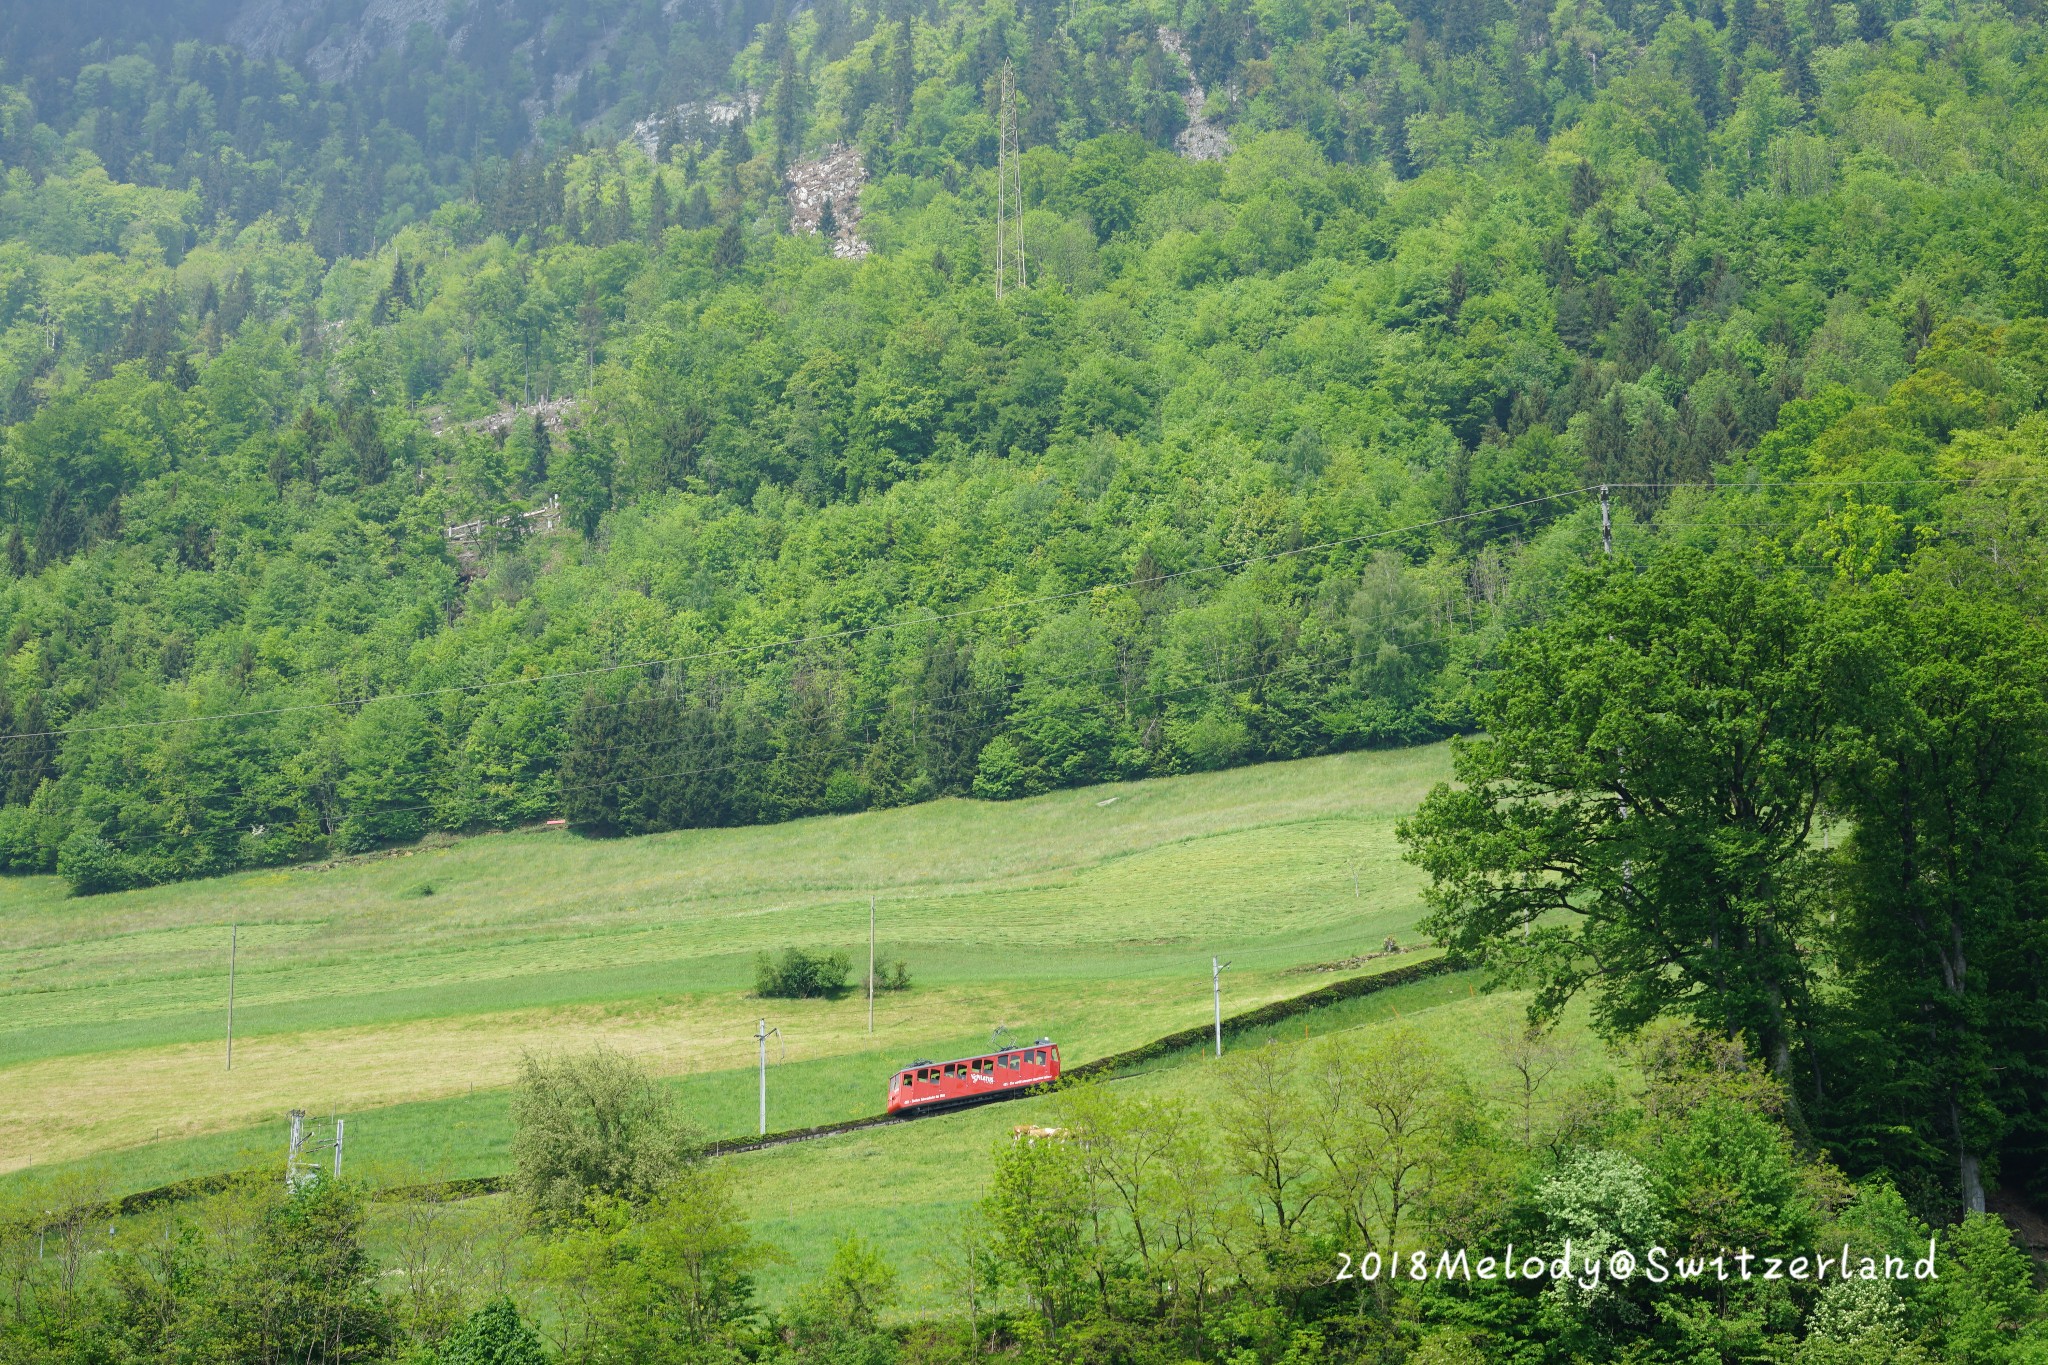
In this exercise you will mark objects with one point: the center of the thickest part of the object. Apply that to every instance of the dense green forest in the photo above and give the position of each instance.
(1266, 461)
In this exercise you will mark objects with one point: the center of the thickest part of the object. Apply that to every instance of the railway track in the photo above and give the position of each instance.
(1181, 1041)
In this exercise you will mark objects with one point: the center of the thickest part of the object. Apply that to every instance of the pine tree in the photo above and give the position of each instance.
(311, 343)
(730, 251)
(1820, 14)
(1636, 345)
(1798, 79)
(828, 223)
(622, 214)
(543, 447)
(736, 147)
(903, 72)
(788, 113)
(373, 457)
(1921, 328)
(1773, 31)
(1604, 446)
(598, 735)
(1741, 25)
(1585, 187)
(657, 210)
(1394, 131)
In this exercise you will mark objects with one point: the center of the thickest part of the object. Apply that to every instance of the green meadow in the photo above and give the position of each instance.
(907, 1187)
(401, 989)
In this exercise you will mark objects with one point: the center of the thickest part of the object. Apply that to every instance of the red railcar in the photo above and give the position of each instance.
(935, 1085)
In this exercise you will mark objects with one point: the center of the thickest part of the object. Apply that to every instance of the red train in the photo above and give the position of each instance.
(934, 1085)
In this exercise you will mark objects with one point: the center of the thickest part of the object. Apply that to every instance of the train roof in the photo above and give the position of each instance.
(973, 1056)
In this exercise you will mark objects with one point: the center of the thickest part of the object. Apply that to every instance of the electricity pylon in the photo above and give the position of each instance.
(1009, 189)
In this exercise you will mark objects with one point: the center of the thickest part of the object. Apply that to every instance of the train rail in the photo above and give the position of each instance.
(472, 1187)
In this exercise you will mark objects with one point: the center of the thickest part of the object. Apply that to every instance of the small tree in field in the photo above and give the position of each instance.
(592, 1125)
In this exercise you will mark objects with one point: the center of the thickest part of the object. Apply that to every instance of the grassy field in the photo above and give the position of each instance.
(402, 989)
(906, 1187)
(902, 1187)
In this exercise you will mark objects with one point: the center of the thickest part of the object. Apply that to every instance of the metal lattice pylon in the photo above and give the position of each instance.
(1009, 191)
(299, 1167)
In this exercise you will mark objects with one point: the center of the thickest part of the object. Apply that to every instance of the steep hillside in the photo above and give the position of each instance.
(356, 489)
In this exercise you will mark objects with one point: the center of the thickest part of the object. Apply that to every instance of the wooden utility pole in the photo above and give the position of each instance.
(1009, 188)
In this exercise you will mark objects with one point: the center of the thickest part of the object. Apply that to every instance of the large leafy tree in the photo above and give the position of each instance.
(1639, 818)
(1946, 929)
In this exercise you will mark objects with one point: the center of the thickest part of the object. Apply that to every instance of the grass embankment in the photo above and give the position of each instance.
(401, 990)
(906, 1188)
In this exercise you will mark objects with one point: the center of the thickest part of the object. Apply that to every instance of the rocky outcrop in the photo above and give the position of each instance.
(711, 113)
(836, 178)
(270, 28)
(1202, 139)
(554, 414)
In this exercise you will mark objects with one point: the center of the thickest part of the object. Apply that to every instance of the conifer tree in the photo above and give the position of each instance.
(657, 209)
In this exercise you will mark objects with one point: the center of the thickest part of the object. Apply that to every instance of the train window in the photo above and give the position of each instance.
(1038, 1057)
(988, 1066)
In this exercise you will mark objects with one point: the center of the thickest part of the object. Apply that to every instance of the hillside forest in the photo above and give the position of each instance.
(1650, 393)
(1267, 460)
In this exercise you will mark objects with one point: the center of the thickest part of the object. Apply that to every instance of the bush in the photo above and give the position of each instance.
(94, 867)
(798, 975)
(891, 974)
(592, 1125)
(494, 1335)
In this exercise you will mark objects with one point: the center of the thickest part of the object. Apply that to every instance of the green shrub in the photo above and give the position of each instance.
(93, 866)
(891, 974)
(494, 1335)
(798, 975)
(592, 1125)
